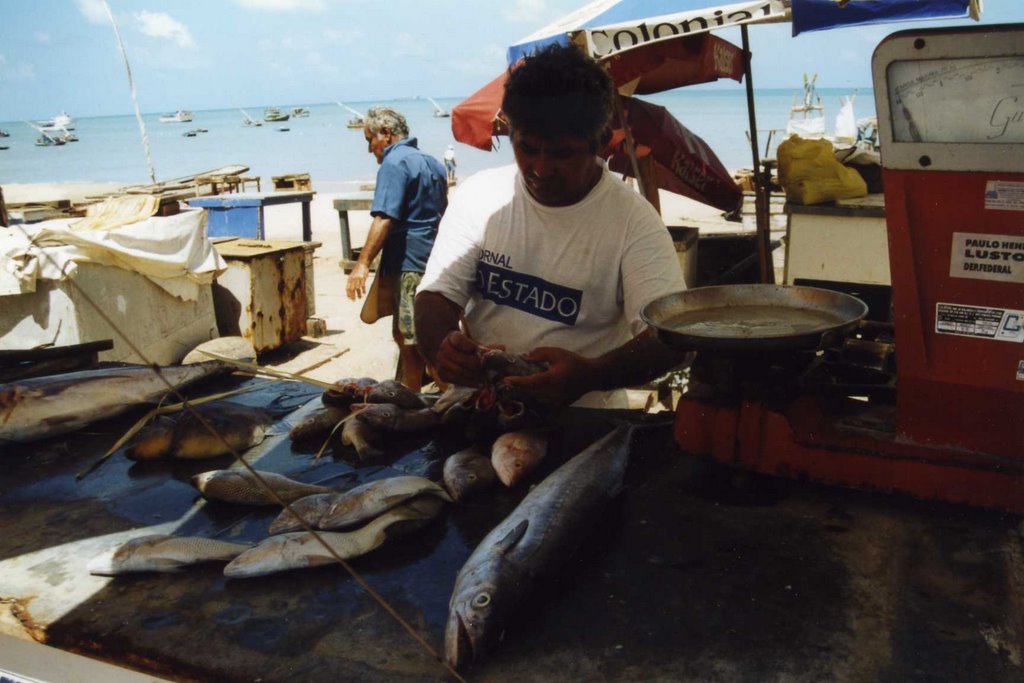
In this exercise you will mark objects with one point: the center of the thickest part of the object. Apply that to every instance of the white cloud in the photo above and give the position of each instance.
(161, 25)
(282, 5)
(20, 71)
(43, 38)
(316, 61)
(407, 45)
(524, 11)
(343, 35)
(94, 11)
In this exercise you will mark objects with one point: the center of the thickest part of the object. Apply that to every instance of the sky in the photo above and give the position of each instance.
(62, 55)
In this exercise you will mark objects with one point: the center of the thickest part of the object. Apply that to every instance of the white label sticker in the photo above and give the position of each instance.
(987, 257)
(1003, 195)
(1001, 324)
(1020, 371)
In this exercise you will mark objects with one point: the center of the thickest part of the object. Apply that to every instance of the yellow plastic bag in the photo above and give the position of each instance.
(809, 173)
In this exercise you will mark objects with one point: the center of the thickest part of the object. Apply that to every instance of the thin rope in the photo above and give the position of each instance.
(186, 405)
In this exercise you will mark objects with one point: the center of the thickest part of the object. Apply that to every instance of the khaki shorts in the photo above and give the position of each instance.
(403, 324)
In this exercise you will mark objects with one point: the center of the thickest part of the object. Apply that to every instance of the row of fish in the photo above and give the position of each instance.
(321, 525)
(42, 407)
(370, 514)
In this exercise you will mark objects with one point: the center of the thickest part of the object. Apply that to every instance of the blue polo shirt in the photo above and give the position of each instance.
(412, 190)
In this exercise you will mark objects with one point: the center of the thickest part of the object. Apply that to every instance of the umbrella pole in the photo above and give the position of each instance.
(761, 188)
(630, 147)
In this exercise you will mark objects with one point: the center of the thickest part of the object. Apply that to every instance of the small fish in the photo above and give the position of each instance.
(395, 393)
(365, 502)
(363, 437)
(468, 472)
(317, 423)
(452, 396)
(515, 455)
(163, 553)
(240, 486)
(499, 364)
(298, 550)
(349, 390)
(309, 508)
(390, 418)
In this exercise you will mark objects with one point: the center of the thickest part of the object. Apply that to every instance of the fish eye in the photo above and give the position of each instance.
(471, 477)
(482, 600)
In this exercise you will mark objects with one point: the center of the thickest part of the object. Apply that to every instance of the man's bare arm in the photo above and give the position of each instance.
(449, 350)
(355, 287)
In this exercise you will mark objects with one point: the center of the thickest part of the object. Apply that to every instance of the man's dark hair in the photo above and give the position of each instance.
(559, 91)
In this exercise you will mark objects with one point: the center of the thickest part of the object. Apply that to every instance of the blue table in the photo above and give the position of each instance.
(241, 214)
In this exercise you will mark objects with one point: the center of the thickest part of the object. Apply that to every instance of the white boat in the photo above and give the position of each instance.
(272, 114)
(439, 111)
(61, 121)
(180, 116)
(47, 140)
(300, 112)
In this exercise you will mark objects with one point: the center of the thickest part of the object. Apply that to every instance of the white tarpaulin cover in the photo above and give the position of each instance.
(172, 251)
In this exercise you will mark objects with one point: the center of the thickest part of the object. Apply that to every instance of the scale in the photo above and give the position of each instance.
(931, 404)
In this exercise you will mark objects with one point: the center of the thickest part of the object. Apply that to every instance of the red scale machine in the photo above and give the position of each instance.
(933, 403)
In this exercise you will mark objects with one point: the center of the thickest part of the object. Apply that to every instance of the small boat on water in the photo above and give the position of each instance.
(180, 116)
(249, 121)
(439, 111)
(300, 112)
(272, 114)
(4, 134)
(47, 140)
(357, 120)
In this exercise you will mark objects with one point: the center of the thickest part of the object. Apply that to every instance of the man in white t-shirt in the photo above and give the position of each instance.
(552, 257)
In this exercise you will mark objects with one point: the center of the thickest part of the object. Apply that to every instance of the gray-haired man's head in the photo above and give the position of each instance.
(379, 118)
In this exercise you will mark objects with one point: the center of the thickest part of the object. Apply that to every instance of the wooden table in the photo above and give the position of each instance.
(360, 201)
(241, 214)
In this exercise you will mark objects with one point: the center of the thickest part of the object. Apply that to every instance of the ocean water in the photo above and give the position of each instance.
(110, 148)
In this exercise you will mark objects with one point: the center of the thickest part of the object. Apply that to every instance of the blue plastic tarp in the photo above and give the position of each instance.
(818, 15)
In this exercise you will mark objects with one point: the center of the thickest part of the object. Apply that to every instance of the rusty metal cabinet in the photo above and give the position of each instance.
(266, 293)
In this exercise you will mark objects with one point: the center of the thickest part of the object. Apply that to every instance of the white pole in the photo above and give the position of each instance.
(135, 101)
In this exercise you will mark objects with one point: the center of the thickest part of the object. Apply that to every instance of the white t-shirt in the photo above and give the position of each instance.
(530, 275)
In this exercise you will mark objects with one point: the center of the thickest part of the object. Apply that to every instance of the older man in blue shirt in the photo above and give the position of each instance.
(410, 197)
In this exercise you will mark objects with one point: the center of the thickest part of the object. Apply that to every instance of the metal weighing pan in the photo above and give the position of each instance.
(750, 318)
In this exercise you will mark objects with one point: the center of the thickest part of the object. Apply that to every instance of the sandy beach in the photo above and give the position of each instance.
(349, 347)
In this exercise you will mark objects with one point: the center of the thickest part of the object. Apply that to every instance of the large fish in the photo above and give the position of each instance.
(42, 407)
(240, 486)
(365, 502)
(300, 549)
(468, 472)
(163, 553)
(514, 455)
(530, 542)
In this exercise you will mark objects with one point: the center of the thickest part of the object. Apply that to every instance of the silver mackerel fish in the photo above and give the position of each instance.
(530, 542)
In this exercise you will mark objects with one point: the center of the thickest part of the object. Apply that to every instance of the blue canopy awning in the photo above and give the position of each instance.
(819, 15)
